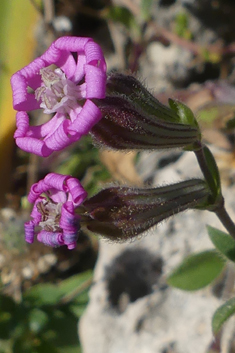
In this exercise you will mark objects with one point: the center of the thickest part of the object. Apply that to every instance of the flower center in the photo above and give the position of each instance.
(57, 93)
(51, 213)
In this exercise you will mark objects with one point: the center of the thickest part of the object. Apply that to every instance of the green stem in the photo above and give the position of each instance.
(225, 219)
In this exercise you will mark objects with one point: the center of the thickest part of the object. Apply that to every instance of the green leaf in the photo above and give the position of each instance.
(51, 294)
(222, 314)
(78, 310)
(212, 166)
(32, 344)
(61, 329)
(121, 14)
(70, 349)
(42, 294)
(7, 304)
(182, 25)
(7, 316)
(213, 112)
(197, 271)
(37, 320)
(223, 242)
(76, 283)
(146, 8)
(79, 304)
(5, 346)
(184, 113)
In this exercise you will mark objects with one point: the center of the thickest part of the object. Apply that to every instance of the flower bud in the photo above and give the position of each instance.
(124, 126)
(121, 213)
(130, 88)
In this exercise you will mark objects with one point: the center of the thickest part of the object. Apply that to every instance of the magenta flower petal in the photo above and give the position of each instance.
(36, 190)
(29, 232)
(22, 124)
(77, 193)
(72, 246)
(68, 222)
(47, 128)
(33, 145)
(50, 239)
(68, 65)
(89, 116)
(22, 100)
(80, 68)
(56, 181)
(70, 225)
(64, 93)
(35, 214)
(55, 200)
(95, 82)
(94, 55)
(60, 138)
(73, 115)
(28, 143)
(58, 196)
(72, 44)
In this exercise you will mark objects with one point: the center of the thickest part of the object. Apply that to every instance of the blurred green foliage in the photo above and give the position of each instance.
(182, 26)
(125, 17)
(46, 318)
(84, 163)
(146, 8)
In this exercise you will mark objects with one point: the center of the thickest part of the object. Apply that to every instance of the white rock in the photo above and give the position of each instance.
(167, 318)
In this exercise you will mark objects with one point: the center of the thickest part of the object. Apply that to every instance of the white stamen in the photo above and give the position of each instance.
(57, 93)
(51, 213)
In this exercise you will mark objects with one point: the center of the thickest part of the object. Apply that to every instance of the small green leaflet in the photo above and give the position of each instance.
(197, 271)
(222, 314)
(223, 242)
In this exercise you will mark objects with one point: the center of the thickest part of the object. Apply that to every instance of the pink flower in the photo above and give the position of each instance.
(64, 90)
(55, 199)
